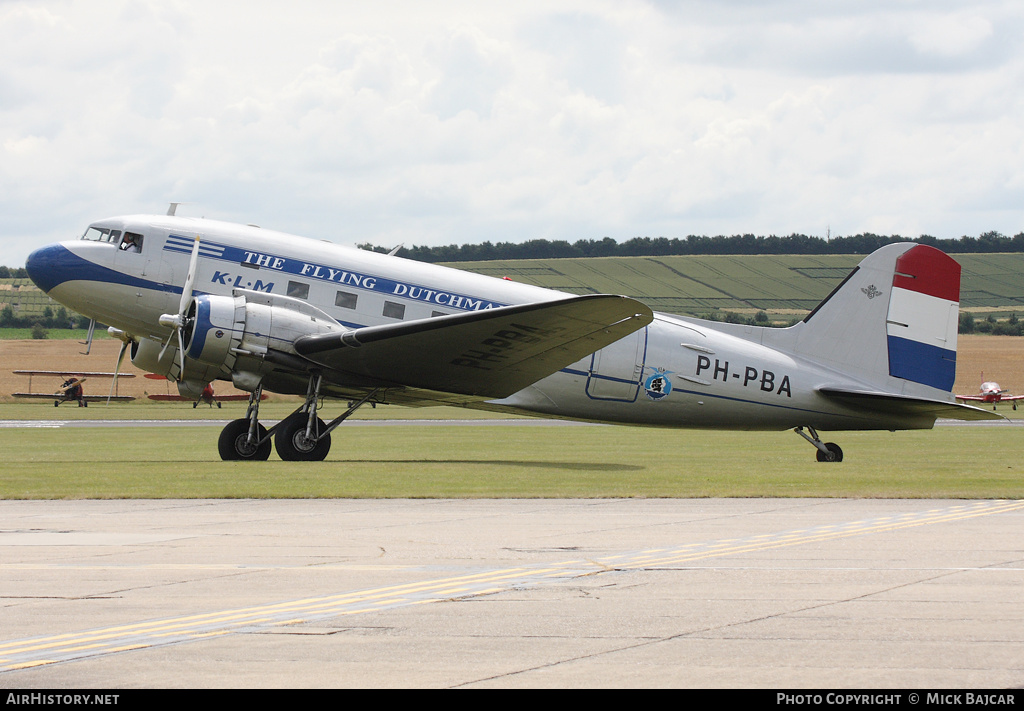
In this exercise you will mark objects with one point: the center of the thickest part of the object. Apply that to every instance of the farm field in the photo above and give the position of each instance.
(999, 358)
(784, 284)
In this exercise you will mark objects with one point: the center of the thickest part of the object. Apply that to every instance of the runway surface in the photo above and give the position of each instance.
(780, 593)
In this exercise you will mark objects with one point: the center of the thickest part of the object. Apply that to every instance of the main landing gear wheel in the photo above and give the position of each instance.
(835, 454)
(234, 442)
(827, 451)
(293, 445)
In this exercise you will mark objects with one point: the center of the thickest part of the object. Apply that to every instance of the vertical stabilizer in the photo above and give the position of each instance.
(921, 326)
(895, 316)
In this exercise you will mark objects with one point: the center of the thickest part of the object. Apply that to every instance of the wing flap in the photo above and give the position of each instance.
(491, 353)
(889, 403)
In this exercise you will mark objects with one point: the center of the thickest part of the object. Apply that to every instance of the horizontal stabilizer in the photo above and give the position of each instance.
(892, 404)
(491, 353)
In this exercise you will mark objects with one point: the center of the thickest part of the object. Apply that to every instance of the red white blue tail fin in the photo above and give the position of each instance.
(891, 323)
(921, 325)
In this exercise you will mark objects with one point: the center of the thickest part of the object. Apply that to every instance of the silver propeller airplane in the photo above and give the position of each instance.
(197, 300)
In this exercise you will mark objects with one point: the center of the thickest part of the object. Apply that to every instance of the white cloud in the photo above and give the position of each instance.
(431, 123)
(951, 35)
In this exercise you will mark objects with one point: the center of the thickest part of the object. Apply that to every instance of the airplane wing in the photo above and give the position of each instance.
(217, 398)
(491, 353)
(889, 403)
(75, 373)
(976, 398)
(87, 398)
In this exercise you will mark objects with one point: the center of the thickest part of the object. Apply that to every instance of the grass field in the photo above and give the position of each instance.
(409, 461)
(489, 461)
(782, 284)
(484, 461)
(52, 334)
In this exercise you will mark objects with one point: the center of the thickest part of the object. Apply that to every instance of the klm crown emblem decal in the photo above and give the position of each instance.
(871, 292)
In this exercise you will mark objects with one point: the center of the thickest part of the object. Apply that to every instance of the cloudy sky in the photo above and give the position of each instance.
(451, 122)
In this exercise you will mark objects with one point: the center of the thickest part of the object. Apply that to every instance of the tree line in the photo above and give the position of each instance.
(51, 317)
(697, 245)
(864, 243)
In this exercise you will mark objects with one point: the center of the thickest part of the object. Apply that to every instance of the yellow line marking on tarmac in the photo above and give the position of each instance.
(26, 653)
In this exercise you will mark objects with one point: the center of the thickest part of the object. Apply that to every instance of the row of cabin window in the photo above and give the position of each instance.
(347, 300)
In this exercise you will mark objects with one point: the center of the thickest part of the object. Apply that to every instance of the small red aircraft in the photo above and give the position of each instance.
(991, 393)
(207, 395)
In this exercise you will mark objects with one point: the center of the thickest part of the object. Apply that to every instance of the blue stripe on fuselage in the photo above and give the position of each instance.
(55, 264)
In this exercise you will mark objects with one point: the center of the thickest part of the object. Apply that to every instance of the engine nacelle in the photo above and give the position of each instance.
(223, 328)
(215, 328)
(145, 355)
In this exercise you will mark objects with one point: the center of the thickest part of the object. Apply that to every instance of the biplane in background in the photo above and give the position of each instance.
(206, 396)
(990, 393)
(70, 389)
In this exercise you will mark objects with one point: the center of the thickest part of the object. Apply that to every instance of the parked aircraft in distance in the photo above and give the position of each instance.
(71, 389)
(198, 300)
(991, 393)
(207, 396)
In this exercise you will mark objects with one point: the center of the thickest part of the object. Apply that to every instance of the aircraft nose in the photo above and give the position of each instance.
(49, 266)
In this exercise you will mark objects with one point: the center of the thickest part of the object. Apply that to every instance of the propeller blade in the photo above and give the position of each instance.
(181, 351)
(176, 321)
(186, 291)
(164, 349)
(117, 368)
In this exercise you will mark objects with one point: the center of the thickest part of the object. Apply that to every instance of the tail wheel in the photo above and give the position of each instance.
(234, 442)
(293, 445)
(835, 454)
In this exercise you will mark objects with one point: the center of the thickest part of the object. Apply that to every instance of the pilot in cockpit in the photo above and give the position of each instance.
(131, 243)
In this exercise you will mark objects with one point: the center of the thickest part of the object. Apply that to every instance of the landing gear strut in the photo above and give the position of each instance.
(300, 437)
(827, 451)
(246, 438)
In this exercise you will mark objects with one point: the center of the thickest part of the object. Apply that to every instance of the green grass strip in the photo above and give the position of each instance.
(409, 461)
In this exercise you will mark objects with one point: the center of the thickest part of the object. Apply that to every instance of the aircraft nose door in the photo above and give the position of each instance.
(616, 370)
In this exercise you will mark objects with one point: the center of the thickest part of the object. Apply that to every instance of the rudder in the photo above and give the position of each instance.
(923, 317)
(895, 315)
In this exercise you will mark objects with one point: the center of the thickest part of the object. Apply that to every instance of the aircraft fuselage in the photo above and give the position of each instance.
(675, 372)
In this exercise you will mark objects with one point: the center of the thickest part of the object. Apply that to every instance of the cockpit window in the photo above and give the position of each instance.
(102, 234)
(132, 242)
